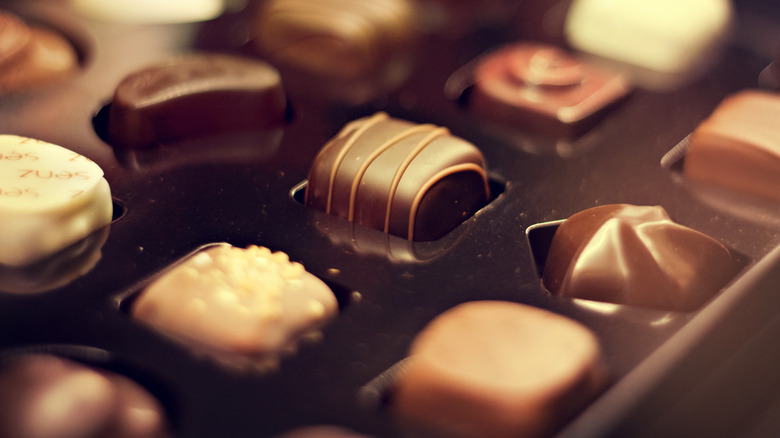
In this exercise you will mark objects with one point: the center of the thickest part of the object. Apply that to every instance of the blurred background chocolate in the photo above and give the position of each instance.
(32, 55)
(660, 45)
(349, 50)
(541, 88)
(44, 396)
(738, 146)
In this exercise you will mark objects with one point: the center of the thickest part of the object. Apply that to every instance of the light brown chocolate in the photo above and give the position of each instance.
(635, 255)
(44, 396)
(414, 181)
(738, 145)
(335, 38)
(493, 369)
(33, 56)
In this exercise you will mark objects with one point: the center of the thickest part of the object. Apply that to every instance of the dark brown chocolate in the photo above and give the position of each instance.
(738, 146)
(542, 88)
(195, 96)
(414, 181)
(43, 396)
(32, 56)
(635, 255)
(497, 369)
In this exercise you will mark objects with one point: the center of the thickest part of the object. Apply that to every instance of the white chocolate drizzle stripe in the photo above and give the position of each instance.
(436, 133)
(376, 153)
(465, 167)
(373, 120)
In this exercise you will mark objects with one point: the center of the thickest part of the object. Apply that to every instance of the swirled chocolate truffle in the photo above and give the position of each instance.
(494, 369)
(44, 396)
(195, 96)
(738, 146)
(32, 56)
(636, 255)
(542, 88)
(415, 181)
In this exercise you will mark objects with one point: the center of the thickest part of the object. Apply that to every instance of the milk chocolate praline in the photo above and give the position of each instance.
(738, 146)
(414, 181)
(635, 255)
(493, 369)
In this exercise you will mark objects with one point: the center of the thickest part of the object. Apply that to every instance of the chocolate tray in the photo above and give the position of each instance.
(709, 372)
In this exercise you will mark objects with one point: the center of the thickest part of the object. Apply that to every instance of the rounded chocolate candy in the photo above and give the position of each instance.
(44, 396)
(32, 56)
(50, 198)
(635, 255)
(542, 88)
(738, 146)
(494, 369)
(336, 38)
(414, 181)
(195, 96)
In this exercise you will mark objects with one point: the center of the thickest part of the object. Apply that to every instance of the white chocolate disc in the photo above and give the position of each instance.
(50, 197)
(150, 11)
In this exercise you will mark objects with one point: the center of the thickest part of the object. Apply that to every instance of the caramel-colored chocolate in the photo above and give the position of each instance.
(43, 396)
(32, 56)
(492, 369)
(249, 302)
(635, 255)
(414, 181)
(738, 146)
(542, 88)
(195, 96)
(335, 38)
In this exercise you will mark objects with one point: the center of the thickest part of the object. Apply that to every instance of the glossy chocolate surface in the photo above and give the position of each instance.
(193, 97)
(242, 193)
(413, 181)
(635, 255)
(33, 56)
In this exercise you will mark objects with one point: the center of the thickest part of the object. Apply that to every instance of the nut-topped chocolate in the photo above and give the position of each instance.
(194, 96)
(415, 181)
(738, 145)
(635, 255)
(542, 88)
(250, 304)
